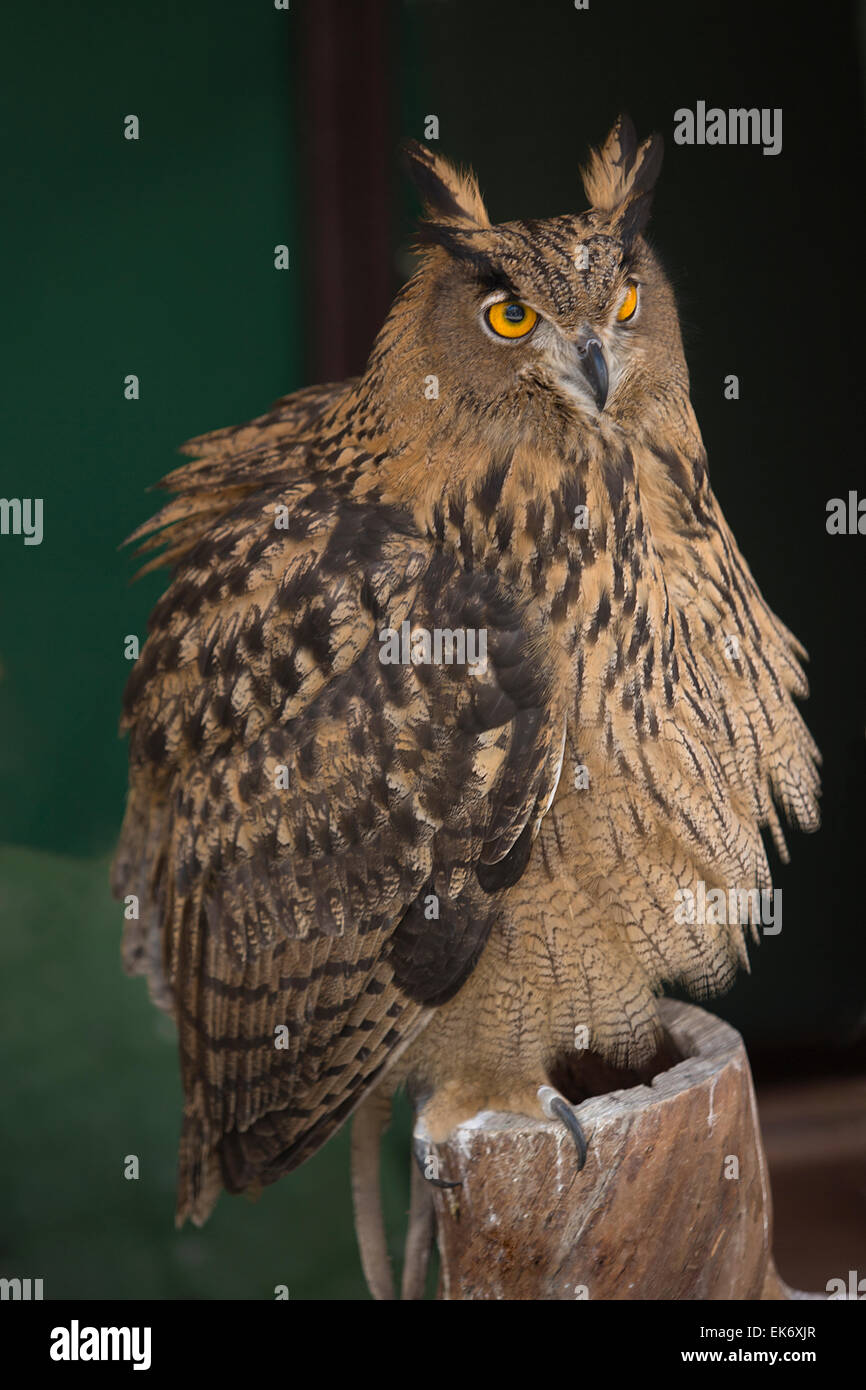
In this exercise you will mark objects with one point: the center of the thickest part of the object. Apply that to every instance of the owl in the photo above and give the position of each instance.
(460, 696)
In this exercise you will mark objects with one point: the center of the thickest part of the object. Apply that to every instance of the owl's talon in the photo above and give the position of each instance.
(423, 1154)
(556, 1107)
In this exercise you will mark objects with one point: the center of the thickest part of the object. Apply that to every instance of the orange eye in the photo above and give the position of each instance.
(511, 319)
(629, 303)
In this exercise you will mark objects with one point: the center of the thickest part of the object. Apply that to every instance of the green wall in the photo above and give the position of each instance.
(152, 257)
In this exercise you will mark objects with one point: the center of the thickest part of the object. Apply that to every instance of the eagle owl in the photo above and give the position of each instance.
(366, 856)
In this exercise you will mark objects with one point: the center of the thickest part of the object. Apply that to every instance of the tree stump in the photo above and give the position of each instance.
(673, 1203)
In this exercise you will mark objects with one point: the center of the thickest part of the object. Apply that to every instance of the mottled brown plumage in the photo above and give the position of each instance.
(412, 788)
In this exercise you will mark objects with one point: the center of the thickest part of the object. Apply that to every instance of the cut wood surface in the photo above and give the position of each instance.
(673, 1203)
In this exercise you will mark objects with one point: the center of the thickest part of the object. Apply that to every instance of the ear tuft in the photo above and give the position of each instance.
(446, 192)
(622, 170)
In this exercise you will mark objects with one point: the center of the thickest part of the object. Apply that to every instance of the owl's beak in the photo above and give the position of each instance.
(590, 354)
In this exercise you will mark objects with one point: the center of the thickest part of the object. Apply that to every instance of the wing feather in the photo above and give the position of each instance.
(306, 821)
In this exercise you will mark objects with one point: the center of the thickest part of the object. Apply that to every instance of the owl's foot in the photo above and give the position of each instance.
(428, 1163)
(425, 1175)
(556, 1107)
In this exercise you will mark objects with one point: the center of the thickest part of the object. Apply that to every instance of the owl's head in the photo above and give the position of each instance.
(572, 312)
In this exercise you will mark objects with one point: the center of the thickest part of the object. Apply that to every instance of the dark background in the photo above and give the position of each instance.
(155, 257)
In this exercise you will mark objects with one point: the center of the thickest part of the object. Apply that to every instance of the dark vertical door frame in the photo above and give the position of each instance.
(347, 145)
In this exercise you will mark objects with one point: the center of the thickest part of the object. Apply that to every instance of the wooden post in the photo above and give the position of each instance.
(673, 1203)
